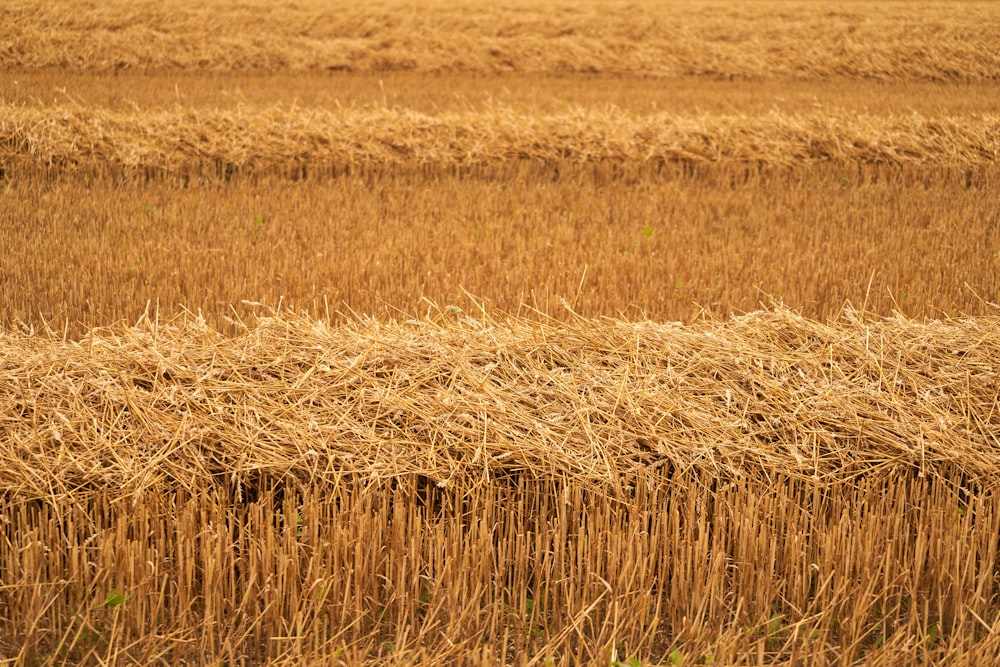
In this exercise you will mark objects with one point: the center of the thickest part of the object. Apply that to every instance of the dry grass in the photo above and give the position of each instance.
(489, 490)
(182, 139)
(944, 41)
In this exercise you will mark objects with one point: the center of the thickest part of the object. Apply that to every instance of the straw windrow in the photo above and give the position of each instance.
(914, 40)
(179, 139)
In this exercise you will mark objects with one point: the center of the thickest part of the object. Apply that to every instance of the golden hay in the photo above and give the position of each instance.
(483, 488)
(941, 41)
(462, 401)
(179, 139)
(489, 490)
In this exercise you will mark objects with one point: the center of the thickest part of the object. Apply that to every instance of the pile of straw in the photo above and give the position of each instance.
(252, 138)
(462, 401)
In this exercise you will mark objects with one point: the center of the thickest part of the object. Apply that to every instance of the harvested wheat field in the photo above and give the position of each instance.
(562, 333)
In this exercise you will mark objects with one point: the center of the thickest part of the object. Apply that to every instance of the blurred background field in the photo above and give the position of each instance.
(919, 40)
(693, 159)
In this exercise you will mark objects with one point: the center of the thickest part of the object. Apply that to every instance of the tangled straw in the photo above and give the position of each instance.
(57, 137)
(464, 401)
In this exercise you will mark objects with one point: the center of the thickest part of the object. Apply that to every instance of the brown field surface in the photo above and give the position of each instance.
(540, 92)
(551, 333)
(668, 245)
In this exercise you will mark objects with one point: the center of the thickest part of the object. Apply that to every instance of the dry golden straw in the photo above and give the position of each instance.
(489, 490)
(912, 40)
(462, 401)
(529, 482)
(175, 140)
